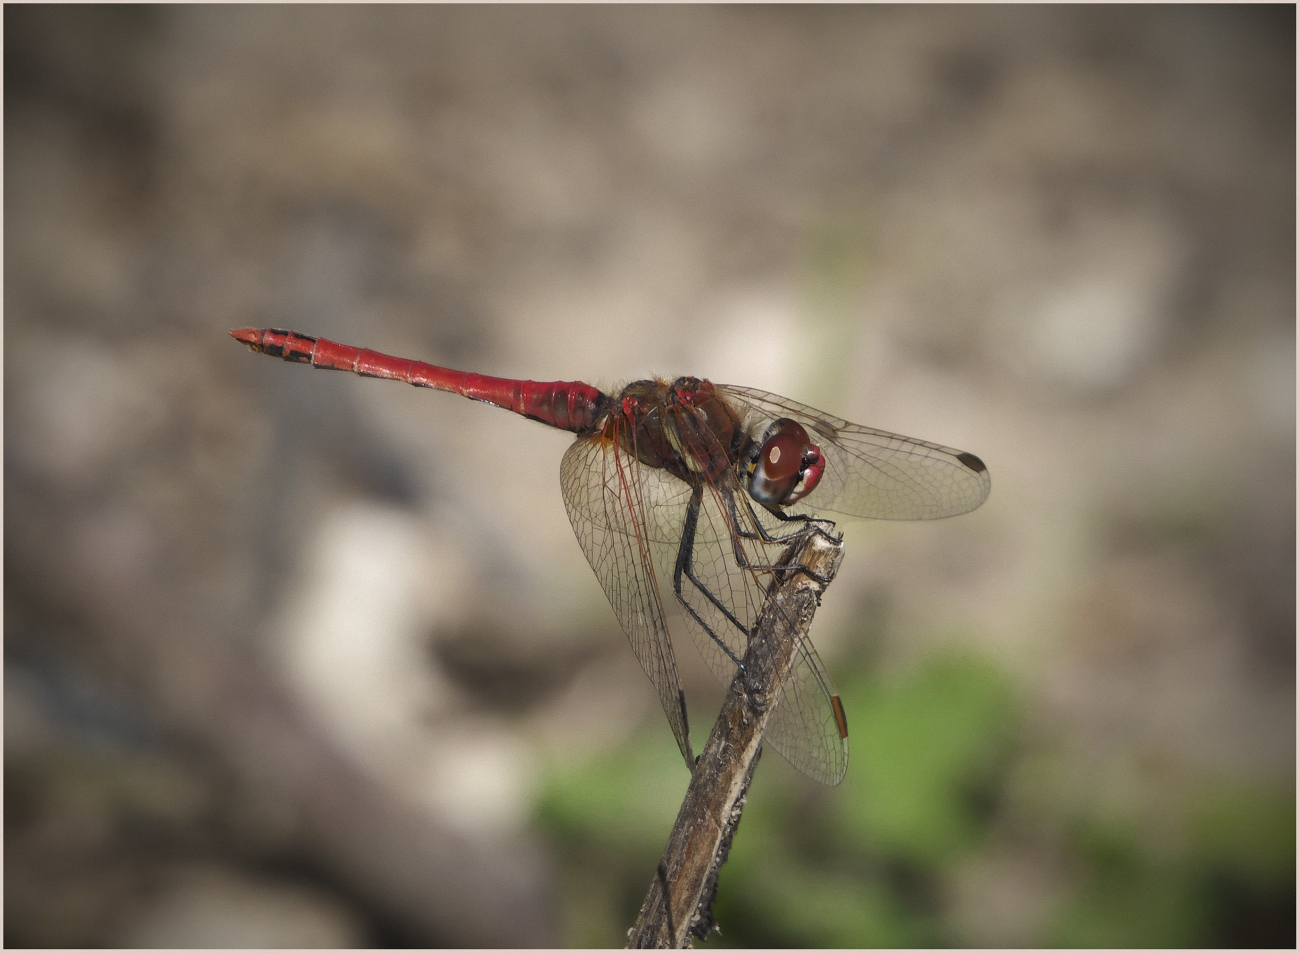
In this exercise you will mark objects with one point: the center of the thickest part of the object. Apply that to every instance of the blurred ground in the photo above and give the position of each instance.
(294, 658)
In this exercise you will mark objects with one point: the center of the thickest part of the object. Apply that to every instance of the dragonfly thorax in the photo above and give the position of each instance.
(684, 427)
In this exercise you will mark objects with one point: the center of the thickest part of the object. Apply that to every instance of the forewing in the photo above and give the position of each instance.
(871, 473)
(604, 495)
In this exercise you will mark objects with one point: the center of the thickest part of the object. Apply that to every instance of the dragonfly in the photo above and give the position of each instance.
(683, 494)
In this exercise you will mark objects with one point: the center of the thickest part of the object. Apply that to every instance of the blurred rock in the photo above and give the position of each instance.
(214, 908)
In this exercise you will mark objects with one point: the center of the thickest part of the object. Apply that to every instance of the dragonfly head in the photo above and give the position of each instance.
(786, 466)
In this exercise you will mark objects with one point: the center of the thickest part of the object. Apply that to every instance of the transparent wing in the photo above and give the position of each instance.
(660, 496)
(604, 494)
(871, 473)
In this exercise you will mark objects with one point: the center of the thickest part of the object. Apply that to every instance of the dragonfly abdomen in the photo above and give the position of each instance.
(566, 405)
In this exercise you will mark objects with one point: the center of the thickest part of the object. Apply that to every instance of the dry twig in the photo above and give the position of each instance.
(678, 903)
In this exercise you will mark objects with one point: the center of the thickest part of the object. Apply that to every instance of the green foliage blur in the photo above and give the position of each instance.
(945, 780)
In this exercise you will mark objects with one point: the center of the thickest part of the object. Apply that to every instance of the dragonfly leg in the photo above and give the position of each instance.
(685, 557)
(811, 524)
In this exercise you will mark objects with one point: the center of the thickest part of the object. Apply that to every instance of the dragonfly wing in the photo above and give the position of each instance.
(808, 726)
(871, 473)
(723, 596)
(604, 495)
(663, 498)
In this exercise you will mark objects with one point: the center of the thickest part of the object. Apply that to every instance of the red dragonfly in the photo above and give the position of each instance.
(682, 494)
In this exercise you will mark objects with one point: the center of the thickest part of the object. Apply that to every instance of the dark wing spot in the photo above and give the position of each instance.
(972, 461)
(841, 722)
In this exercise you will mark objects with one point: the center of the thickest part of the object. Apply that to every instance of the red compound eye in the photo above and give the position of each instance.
(778, 474)
(782, 455)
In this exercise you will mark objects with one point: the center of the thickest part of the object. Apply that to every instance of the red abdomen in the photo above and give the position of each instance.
(568, 405)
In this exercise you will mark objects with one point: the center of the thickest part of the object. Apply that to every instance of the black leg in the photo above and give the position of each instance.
(685, 555)
(811, 524)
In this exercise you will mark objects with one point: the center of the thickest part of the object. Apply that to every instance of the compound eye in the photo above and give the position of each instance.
(780, 463)
(782, 455)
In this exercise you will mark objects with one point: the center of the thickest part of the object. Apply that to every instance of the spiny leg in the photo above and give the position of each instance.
(811, 524)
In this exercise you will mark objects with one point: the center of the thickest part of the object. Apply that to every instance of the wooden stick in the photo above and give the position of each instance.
(678, 903)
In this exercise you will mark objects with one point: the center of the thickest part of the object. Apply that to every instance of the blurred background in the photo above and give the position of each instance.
(295, 658)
